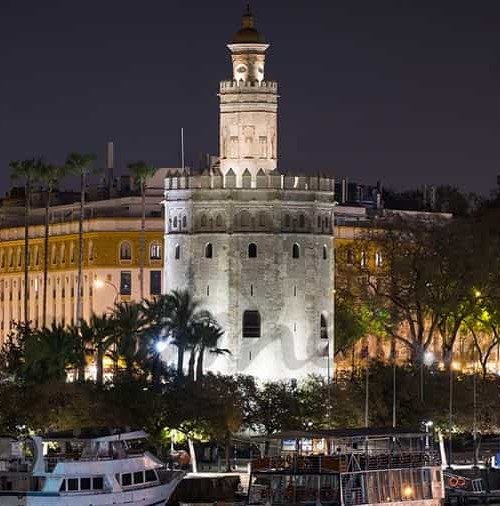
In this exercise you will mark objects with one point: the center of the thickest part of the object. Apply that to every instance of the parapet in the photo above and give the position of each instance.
(248, 86)
(270, 180)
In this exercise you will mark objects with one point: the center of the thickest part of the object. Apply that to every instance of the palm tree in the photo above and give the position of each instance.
(209, 332)
(49, 353)
(142, 173)
(183, 317)
(102, 339)
(80, 164)
(82, 338)
(50, 176)
(128, 323)
(28, 171)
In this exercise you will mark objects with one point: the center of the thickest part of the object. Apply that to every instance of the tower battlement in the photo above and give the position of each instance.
(242, 86)
(182, 181)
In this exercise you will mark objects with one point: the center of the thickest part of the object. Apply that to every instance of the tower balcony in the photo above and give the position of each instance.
(248, 86)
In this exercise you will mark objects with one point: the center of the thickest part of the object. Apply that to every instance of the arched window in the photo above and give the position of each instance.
(363, 259)
(302, 221)
(184, 221)
(54, 254)
(72, 253)
(218, 221)
(251, 324)
(295, 251)
(175, 222)
(209, 250)
(252, 250)
(325, 252)
(327, 221)
(378, 259)
(203, 221)
(177, 252)
(63, 253)
(323, 327)
(287, 220)
(155, 251)
(125, 251)
(319, 221)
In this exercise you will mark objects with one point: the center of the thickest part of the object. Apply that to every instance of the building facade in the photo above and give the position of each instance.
(255, 246)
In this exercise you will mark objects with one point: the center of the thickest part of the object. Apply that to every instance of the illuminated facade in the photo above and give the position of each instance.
(253, 245)
(110, 266)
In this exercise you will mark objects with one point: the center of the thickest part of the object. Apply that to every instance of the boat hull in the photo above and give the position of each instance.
(151, 496)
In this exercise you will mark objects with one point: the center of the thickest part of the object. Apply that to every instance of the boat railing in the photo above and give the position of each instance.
(18, 465)
(324, 464)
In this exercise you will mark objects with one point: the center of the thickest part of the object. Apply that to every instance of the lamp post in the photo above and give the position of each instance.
(101, 283)
(453, 366)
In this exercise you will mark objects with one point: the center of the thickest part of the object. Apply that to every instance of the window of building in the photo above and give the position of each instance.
(287, 220)
(363, 259)
(218, 221)
(37, 256)
(252, 250)
(323, 327)
(177, 252)
(295, 251)
(263, 146)
(184, 221)
(203, 221)
(3, 260)
(125, 251)
(319, 221)
(54, 254)
(327, 221)
(325, 252)
(19, 258)
(209, 250)
(302, 221)
(125, 283)
(91, 251)
(155, 282)
(63, 253)
(378, 259)
(175, 222)
(251, 324)
(155, 251)
(245, 219)
(251, 290)
(72, 253)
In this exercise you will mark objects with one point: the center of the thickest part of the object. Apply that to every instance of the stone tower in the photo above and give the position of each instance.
(248, 108)
(253, 245)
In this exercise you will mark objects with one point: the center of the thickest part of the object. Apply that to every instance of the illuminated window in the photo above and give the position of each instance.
(252, 250)
(125, 251)
(363, 259)
(209, 250)
(295, 251)
(125, 283)
(251, 324)
(323, 327)
(91, 251)
(378, 259)
(155, 251)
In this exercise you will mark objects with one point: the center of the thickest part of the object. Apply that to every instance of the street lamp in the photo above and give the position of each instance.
(101, 283)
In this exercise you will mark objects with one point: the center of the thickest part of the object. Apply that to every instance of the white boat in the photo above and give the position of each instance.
(86, 470)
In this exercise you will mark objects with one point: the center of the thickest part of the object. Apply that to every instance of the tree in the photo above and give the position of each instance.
(80, 164)
(128, 323)
(208, 333)
(50, 175)
(181, 322)
(28, 171)
(102, 339)
(142, 173)
(48, 354)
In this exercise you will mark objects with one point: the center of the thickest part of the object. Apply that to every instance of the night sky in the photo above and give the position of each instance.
(406, 92)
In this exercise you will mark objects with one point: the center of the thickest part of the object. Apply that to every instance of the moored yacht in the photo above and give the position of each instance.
(348, 467)
(85, 470)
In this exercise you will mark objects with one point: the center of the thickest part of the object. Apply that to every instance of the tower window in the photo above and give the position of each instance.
(252, 250)
(325, 252)
(287, 220)
(295, 251)
(378, 259)
(125, 251)
(323, 328)
(155, 251)
(251, 290)
(203, 221)
(319, 221)
(177, 252)
(251, 324)
(184, 222)
(218, 221)
(209, 250)
(175, 222)
(363, 259)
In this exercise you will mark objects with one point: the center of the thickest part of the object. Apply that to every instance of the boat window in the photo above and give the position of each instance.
(97, 483)
(138, 477)
(151, 475)
(63, 486)
(72, 484)
(84, 483)
(126, 479)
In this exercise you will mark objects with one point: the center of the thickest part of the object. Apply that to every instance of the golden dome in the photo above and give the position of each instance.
(248, 34)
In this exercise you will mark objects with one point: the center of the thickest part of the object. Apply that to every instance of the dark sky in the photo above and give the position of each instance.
(406, 92)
